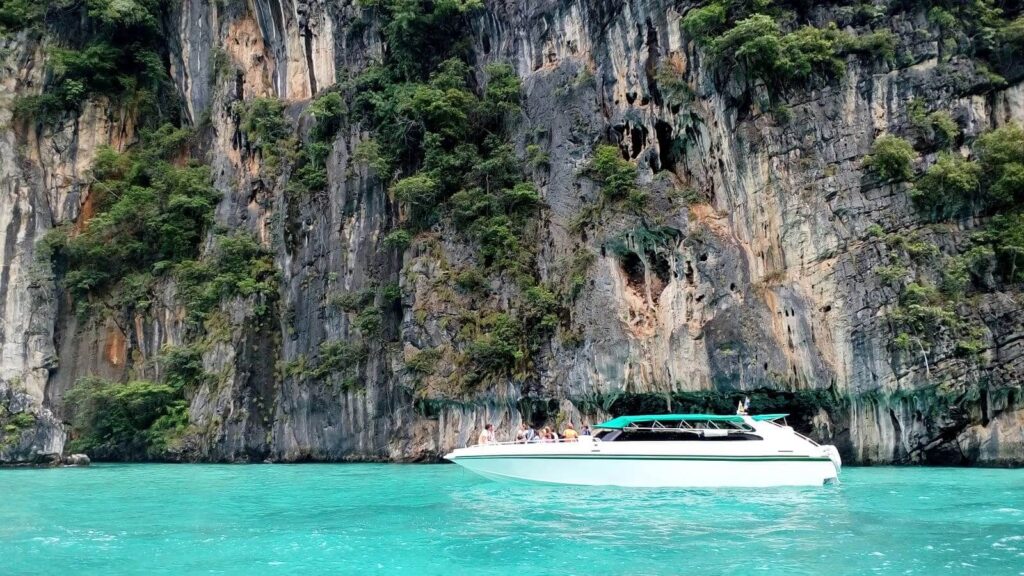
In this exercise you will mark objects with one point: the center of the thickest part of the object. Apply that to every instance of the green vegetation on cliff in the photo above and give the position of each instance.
(147, 216)
(120, 55)
(139, 419)
(441, 143)
(743, 37)
(131, 421)
(616, 176)
(149, 210)
(237, 266)
(452, 153)
(146, 213)
(12, 425)
(892, 158)
(994, 180)
(934, 285)
(935, 129)
(270, 133)
(785, 45)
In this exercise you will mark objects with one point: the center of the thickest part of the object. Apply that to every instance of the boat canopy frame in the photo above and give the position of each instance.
(682, 421)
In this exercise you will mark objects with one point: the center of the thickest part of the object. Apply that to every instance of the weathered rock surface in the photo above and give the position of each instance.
(769, 285)
(76, 460)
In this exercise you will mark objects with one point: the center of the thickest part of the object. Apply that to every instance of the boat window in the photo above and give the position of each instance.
(683, 436)
(695, 425)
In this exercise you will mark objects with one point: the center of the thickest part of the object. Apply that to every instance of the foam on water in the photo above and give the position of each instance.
(384, 519)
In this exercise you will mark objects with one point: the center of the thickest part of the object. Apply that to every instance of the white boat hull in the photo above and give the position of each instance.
(669, 471)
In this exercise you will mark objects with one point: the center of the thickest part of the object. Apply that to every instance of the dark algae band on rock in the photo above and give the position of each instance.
(284, 230)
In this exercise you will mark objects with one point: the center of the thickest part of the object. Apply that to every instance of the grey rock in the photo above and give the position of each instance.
(76, 460)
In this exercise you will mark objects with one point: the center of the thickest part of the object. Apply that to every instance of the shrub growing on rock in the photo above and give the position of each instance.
(1001, 155)
(949, 188)
(891, 158)
(702, 24)
(110, 420)
(615, 174)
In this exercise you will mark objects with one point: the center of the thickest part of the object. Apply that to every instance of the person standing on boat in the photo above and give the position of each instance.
(487, 435)
(743, 407)
(570, 434)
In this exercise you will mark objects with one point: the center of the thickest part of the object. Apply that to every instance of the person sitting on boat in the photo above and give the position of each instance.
(585, 431)
(487, 435)
(548, 435)
(525, 433)
(570, 434)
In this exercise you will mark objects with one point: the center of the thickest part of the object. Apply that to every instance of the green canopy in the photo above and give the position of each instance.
(624, 421)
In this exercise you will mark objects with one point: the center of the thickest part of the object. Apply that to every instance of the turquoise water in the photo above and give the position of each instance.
(393, 519)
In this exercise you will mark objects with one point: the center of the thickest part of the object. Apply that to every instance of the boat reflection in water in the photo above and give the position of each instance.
(667, 450)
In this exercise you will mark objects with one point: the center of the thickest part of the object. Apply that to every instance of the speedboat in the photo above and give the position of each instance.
(667, 450)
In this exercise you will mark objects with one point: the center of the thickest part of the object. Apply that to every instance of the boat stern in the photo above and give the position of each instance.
(833, 454)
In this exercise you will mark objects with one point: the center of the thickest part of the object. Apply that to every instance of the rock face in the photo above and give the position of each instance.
(767, 282)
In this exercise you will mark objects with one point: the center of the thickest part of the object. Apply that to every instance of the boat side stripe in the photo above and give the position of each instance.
(645, 457)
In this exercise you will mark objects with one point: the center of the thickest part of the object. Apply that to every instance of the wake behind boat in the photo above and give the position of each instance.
(668, 450)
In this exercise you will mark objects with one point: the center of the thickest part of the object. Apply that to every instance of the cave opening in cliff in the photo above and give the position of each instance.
(668, 149)
(618, 136)
(633, 268)
(638, 139)
(662, 273)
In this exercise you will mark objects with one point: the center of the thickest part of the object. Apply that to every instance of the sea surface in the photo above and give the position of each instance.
(437, 519)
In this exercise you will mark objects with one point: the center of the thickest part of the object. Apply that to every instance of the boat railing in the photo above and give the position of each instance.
(554, 441)
(693, 429)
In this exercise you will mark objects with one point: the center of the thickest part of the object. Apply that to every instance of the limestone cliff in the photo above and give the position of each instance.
(751, 267)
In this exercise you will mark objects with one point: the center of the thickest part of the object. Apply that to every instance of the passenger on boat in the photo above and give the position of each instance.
(585, 431)
(570, 434)
(743, 407)
(487, 435)
(536, 437)
(525, 433)
(548, 435)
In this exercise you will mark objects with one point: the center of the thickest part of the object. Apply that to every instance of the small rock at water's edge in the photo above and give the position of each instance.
(76, 460)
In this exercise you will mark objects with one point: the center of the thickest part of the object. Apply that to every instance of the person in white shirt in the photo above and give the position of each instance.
(487, 435)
